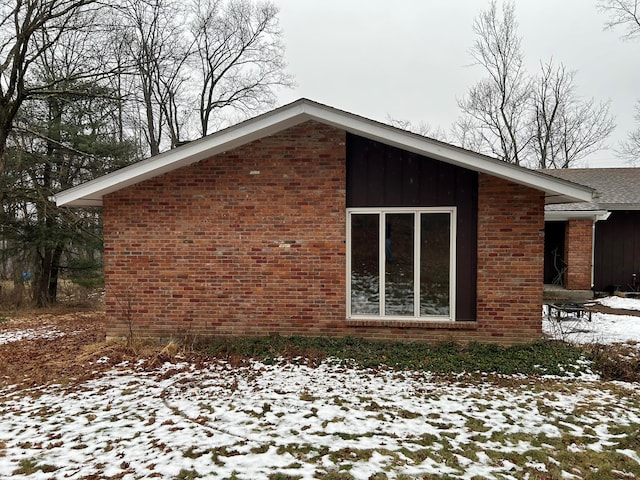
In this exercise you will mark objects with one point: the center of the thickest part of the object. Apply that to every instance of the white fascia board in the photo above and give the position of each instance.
(557, 190)
(562, 215)
(91, 193)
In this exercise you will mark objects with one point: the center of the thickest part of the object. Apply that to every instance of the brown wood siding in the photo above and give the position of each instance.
(617, 250)
(382, 176)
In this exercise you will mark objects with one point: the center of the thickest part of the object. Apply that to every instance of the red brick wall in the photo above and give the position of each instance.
(252, 242)
(578, 253)
(510, 260)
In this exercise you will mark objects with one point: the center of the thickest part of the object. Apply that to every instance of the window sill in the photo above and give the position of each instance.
(412, 323)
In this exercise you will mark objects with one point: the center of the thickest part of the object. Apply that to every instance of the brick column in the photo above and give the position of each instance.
(510, 261)
(579, 254)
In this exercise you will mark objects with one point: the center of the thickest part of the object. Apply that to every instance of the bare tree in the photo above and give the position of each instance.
(28, 29)
(564, 129)
(192, 60)
(464, 132)
(155, 48)
(422, 128)
(495, 106)
(240, 56)
(61, 137)
(630, 148)
(537, 121)
(626, 14)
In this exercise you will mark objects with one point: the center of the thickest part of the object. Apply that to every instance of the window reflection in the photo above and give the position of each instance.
(365, 276)
(398, 285)
(414, 263)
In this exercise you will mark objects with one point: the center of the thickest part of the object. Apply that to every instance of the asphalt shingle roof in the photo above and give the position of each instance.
(617, 188)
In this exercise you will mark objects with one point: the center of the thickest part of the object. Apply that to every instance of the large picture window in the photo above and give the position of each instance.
(401, 263)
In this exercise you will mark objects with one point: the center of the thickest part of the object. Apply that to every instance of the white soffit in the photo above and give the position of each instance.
(300, 111)
(563, 215)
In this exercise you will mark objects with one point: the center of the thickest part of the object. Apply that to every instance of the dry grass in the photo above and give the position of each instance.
(17, 296)
(81, 342)
(79, 350)
(616, 362)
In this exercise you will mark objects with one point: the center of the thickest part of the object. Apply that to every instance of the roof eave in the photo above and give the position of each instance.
(556, 190)
(620, 206)
(91, 193)
(563, 215)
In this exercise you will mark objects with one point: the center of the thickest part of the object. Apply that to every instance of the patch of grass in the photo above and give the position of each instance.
(379, 476)
(29, 466)
(341, 475)
(283, 476)
(403, 413)
(417, 456)
(193, 452)
(261, 449)
(305, 396)
(234, 476)
(476, 425)
(594, 465)
(188, 475)
(543, 357)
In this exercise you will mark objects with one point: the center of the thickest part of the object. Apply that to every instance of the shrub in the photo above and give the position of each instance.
(543, 357)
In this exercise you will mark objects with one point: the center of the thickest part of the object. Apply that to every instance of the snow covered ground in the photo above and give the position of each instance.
(603, 328)
(291, 421)
(261, 421)
(620, 302)
(47, 331)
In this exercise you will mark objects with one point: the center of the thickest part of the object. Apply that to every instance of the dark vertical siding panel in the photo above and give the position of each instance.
(446, 184)
(376, 163)
(635, 233)
(617, 250)
(428, 175)
(604, 254)
(357, 182)
(466, 244)
(410, 179)
(393, 175)
(382, 176)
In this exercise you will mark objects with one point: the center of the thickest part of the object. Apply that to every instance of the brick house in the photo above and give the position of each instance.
(308, 220)
(595, 245)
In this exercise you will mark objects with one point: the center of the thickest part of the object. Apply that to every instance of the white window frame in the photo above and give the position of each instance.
(382, 212)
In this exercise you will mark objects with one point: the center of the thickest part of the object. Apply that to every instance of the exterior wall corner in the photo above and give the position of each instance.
(510, 260)
(579, 254)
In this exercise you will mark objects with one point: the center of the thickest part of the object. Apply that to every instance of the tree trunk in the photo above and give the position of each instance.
(154, 139)
(55, 271)
(41, 284)
(3, 155)
(46, 285)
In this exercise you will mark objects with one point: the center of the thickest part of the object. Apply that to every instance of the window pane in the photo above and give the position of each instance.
(434, 263)
(399, 264)
(365, 276)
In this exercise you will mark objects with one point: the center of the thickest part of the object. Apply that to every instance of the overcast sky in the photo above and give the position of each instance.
(409, 59)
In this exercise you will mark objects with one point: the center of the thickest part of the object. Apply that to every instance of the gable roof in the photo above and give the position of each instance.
(616, 188)
(303, 110)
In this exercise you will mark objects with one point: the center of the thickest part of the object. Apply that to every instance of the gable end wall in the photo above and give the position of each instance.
(252, 242)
